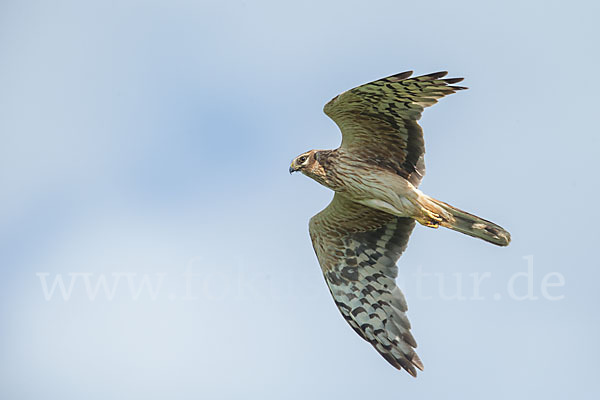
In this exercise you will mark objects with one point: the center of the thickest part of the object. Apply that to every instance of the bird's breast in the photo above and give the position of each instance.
(375, 188)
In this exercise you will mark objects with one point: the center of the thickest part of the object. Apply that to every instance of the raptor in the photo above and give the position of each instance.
(375, 174)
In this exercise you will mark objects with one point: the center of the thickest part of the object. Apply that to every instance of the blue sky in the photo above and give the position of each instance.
(151, 140)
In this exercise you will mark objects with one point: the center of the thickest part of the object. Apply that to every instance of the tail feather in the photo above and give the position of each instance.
(472, 225)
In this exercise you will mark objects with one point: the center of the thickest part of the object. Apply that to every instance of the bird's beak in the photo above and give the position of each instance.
(292, 169)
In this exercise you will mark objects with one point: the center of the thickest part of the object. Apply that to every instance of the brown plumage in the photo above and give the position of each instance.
(375, 173)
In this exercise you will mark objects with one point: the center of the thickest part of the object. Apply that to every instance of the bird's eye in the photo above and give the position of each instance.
(302, 159)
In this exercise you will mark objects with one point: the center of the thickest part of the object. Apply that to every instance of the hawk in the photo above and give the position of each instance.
(375, 174)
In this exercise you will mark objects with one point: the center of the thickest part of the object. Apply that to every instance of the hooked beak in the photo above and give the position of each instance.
(292, 169)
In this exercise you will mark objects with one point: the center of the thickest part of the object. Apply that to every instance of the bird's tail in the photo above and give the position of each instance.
(463, 222)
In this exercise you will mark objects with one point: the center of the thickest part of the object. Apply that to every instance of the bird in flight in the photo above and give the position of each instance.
(375, 174)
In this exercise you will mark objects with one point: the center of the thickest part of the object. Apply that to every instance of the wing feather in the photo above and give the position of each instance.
(358, 248)
(378, 120)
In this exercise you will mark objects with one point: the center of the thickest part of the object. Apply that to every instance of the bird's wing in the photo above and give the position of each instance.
(357, 248)
(379, 119)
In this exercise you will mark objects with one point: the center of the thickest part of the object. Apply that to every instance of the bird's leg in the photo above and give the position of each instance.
(432, 216)
(430, 219)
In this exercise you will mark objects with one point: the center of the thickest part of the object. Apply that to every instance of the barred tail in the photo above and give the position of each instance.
(469, 224)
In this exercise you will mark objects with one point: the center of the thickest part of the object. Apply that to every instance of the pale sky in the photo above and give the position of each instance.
(147, 143)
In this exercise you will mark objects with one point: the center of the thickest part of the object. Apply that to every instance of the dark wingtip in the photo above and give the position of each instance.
(400, 76)
(450, 81)
(437, 75)
(416, 361)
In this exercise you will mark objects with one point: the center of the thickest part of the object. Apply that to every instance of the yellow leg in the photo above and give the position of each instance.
(430, 219)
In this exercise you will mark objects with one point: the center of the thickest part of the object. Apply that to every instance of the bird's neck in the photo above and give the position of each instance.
(323, 170)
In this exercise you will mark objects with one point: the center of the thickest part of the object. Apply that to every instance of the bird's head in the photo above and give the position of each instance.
(305, 162)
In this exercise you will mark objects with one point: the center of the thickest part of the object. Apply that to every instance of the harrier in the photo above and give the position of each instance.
(375, 172)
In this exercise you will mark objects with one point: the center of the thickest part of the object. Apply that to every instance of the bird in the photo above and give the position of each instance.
(375, 173)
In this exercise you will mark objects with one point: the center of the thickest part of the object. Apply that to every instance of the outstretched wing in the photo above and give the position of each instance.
(357, 248)
(378, 120)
